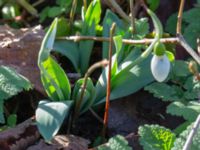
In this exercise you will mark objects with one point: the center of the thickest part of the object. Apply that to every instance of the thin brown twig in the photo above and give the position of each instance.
(77, 38)
(132, 16)
(187, 47)
(180, 15)
(107, 105)
(102, 63)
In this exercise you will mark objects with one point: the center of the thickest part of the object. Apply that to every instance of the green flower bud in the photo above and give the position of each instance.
(159, 49)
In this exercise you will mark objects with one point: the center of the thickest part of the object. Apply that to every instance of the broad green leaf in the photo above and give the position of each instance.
(89, 94)
(55, 80)
(117, 142)
(110, 18)
(125, 82)
(50, 116)
(85, 48)
(12, 120)
(188, 111)
(48, 42)
(180, 141)
(155, 137)
(93, 13)
(68, 49)
(163, 91)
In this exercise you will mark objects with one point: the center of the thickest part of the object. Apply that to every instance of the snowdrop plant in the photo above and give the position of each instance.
(160, 64)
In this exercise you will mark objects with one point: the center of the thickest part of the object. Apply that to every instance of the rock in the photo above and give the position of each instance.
(19, 49)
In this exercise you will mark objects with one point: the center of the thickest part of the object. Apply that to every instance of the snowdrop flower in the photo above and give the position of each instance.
(160, 65)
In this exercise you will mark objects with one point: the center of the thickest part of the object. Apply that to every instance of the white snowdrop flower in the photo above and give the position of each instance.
(160, 67)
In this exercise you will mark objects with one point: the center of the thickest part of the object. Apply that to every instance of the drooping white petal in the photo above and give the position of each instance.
(160, 67)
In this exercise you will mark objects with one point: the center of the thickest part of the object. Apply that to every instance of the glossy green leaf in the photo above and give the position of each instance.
(48, 42)
(55, 80)
(50, 116)
(68, 49)
(89, 94)
(93, 13)
(155, 137)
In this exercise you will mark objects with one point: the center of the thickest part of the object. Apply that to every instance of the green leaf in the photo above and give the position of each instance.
(117, 142)
(192, 15)
(171, 24)
(93, 13)
(188, 111)
(163, 91)
(153, 4)
(44, 14)
(89, 94)
(11, 83)
(55, 80)
(68, 49)
(50, 116)
(170, 56)
(63, 27)
(142, 28)
(85, 48)
(64, 3)
(192, 32)
(180, 141)
(181, 127)
(109, 18)
(155, 137)
(180, 68)
(48, 42)
(55, 11)
(125, 82)
(12, 120)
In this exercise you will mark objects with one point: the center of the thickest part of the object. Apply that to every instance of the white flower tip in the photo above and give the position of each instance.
(160, 67)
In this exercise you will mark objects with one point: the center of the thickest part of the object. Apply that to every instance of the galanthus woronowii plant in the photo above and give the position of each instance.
(160, 65)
